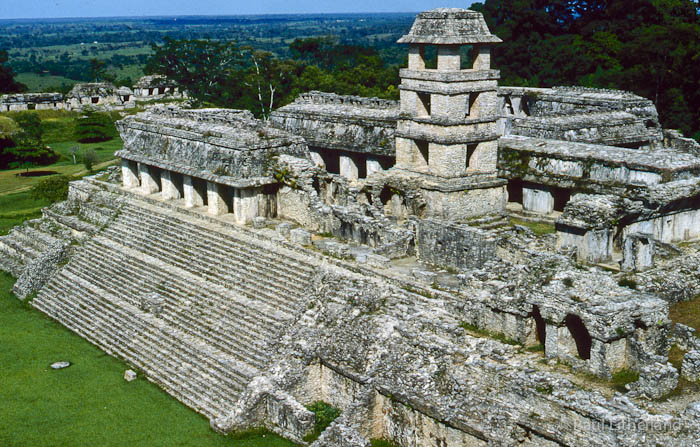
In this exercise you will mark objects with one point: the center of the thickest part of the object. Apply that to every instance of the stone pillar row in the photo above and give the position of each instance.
(245, 203)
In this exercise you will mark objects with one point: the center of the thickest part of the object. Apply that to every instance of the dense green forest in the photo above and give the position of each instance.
(649, 47)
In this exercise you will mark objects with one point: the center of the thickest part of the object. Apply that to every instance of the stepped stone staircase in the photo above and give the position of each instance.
(63, 221)
(223, 297)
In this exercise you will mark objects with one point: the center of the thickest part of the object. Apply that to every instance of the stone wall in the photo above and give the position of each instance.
(202, 143)
(457, 246)
(349, 123)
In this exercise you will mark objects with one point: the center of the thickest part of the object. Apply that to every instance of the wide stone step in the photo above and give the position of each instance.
(41, 237)
(148, 278)
(205, 326)
(159, 362)
(71, 222)
(241, 241)
(15, 245)
(251, 285)
(213, 243)
(155, 374)
(182, 269)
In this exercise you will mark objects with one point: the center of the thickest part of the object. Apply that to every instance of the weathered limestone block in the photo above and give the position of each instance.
(447, 160)
(538, 199)
(130, 176)
(216, 199)
(457, 246)
(193, 196)
(149, 185)
(283, 229)
(246, 204)
(457, 205)
(170, 190)
(263, 403)
(656, 380)
(152, 303)
(259, 222)
(638, 253)
(373, 166)
(424, 276)
(41, 269)
(300, 236)
(686, 337)
(317, 159)
(691, 366)
(348, 167)
(130, 375)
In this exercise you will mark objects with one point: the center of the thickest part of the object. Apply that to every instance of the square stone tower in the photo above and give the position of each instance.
(447, 136)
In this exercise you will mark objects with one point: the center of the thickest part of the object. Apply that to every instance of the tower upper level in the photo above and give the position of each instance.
(449, 26)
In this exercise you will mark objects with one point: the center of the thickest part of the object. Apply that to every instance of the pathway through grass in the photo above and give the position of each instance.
(89, 403)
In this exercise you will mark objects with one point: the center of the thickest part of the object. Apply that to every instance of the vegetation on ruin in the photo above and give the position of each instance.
(538, 228)
(478, 332)
(622, 378)
(225, 74)
(687, 312)
(325, 414)
(90, 401)
(51, 189)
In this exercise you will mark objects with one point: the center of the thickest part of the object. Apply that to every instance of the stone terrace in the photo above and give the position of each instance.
(222, 299)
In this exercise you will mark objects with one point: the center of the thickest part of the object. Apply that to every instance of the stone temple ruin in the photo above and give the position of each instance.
(96, 95)
(360, 251)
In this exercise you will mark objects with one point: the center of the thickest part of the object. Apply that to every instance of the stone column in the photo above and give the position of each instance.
(538, 199)
(193, 197)
(348, 168)
(130, 176)
(216, 199)
(246, 204)
(551, 342)
(170, 191)
(317, 159)
(373, 166)
(148, 183)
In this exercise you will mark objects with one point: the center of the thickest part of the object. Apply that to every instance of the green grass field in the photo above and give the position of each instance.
(58, 126)
(18, 207)
(39, 83)
(89, 403)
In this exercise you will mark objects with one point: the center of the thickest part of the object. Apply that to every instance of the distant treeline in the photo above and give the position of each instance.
(650, 47)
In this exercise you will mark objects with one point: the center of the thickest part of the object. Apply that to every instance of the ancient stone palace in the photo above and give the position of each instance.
(387, 258)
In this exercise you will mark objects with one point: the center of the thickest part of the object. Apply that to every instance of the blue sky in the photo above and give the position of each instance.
(12, 9)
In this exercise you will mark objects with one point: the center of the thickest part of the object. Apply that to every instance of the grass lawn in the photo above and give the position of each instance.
(38, 83)
(687, 312)
(88, 403)
(18, 207)
(11, 183)
(539, 228)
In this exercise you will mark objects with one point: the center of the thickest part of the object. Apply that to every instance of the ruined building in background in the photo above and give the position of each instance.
(96, 95)
(371, 254)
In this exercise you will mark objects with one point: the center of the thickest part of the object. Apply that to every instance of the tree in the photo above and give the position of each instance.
(89, 159)
(210, 71)
(98, 70)
(651, 47)
(7, 81)
(94, 127)
(31, 129)
(53, 189)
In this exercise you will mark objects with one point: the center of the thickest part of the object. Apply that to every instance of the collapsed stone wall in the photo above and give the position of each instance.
(348, 123)
(421, 381)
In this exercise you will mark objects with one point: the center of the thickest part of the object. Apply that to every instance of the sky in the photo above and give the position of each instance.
(16, 9)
